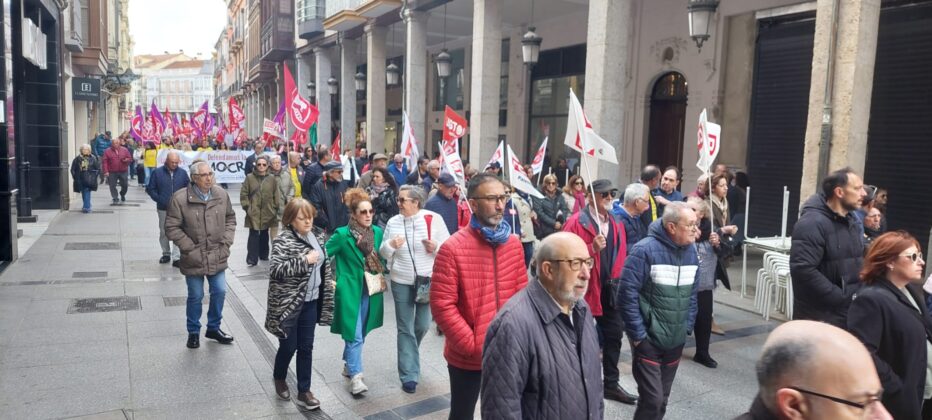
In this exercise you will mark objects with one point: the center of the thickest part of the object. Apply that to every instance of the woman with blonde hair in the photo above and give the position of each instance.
(300, 296)
(359, 282)
(552, 210)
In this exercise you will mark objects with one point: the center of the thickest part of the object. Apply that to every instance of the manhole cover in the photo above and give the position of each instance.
(91, 246)
(105, 304)
(88, 274)
(179, 300)
(125, 205)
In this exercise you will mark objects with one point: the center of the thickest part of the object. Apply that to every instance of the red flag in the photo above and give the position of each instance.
(335, 149)
(299, 137)
(236, 115)
(454, 126)
(301, 112)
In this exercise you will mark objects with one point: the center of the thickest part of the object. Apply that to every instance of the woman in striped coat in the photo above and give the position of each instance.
(412, 239)
(300, 296)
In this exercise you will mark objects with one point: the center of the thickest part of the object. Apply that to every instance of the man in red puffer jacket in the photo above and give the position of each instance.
(476, 271)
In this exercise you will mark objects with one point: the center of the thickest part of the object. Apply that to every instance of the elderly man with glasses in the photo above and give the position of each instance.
(201, 222)
(605, 240)
(659, 304)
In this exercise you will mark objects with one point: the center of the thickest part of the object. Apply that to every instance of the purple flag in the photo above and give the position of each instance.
(280, 119)
(136, 125)
(157, 119)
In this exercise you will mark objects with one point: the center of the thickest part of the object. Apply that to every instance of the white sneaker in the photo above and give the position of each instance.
(357, 386)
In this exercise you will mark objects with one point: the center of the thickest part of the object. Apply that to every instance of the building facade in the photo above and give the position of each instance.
(175, 82)
(643, 82)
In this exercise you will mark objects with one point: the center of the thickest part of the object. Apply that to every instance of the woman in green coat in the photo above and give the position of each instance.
(354, 250)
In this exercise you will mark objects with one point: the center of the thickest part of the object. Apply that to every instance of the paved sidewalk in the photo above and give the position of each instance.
(57, 362)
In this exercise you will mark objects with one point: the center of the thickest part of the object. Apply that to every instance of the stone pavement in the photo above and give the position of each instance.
(62, 356)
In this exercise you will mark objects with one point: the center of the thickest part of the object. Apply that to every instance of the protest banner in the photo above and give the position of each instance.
(228, 165)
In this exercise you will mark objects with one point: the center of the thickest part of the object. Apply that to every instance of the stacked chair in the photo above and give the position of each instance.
(774, 284)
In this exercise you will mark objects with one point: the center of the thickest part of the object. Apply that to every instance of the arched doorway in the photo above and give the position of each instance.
(667, 121)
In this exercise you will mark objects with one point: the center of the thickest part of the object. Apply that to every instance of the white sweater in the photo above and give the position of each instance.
(399, 260)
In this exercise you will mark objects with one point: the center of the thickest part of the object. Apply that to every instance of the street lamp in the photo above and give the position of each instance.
(700, 19)
(530, 46)
(311, 89)
(333, 85)
(444, 64)
(392, 74)
(360, 81)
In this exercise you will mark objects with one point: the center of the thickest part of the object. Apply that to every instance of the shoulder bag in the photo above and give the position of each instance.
(421, 283)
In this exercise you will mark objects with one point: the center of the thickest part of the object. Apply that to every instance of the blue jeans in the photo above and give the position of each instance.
(413, 321)
(86, 198)
(300, 332)
(218, 290)
(352, 351)
(148, 173)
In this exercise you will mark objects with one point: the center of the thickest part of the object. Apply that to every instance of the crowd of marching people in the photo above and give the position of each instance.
(534, 295)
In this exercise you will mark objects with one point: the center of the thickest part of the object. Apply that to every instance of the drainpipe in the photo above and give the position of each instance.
(825, 139)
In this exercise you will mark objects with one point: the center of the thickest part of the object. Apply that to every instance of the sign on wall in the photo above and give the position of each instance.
(85, 89)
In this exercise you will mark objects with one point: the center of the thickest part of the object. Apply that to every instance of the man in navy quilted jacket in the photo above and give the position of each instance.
(163, 183)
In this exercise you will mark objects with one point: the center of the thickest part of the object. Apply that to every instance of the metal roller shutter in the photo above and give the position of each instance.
(900, 133)
(777, 126)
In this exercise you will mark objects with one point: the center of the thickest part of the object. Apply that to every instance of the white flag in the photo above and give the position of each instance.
(581, 137)
(498, 156)
(518, 178)
(537, 164)
(409, 143)
(708, 142)
(454, 166)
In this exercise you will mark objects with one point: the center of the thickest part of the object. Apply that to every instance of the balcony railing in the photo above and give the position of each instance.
(277, 34)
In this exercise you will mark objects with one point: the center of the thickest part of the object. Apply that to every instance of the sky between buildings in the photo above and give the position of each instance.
(171, 25)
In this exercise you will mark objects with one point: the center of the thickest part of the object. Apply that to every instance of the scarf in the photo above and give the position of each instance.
(580, 197)
(722, 206)
(376, 189)
(365, 241)
(496, 236)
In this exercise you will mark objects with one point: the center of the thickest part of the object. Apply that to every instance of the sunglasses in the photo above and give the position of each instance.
(915, 256)
(367, 211)
(612, 193)
(550, 183)
(262, 164)
(577, 183)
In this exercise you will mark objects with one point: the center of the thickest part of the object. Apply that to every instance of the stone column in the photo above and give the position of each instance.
(519, 82)
(375, 88)
(606, 61)
(486, 79)
(853, 75)
(322, 72)
(347, 92)
(416, 74)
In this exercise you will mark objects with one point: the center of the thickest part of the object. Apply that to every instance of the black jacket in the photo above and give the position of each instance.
(312, 175)
(549, 211)
(895, 333)
(385, 206)
(535, 365)
(327, 198)
(825, 258)
(86, 178)
(757, 412)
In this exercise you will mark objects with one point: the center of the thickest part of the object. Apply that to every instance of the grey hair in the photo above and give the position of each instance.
(415, 192)
(196, 165)
(172, 152)
(674, 211)
(433, 164)
(634, 192)
(789, 358)
(84, 146)
(273, 158)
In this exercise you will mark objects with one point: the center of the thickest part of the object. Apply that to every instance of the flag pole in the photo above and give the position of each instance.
(711, 210)
(598, 220)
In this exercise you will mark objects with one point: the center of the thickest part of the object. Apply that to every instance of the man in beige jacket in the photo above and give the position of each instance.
(201, 223)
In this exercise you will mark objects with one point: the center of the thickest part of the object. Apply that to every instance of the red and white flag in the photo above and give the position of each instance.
(538, 163)
(454, 166)
(236, 116)
(581, 137)
(708, 142)
(409, 143)
(301, 112)
(518, 178)
(335, 149)
(498, 156)
(454, 128)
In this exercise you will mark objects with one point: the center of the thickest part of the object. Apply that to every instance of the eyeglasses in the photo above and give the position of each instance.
(690, 226)
(576, 264)
(366, 211)
(578, 183)
(496, 198)
(915, 256)
(870, 400)
(550, 183)
(402, 200)
(262, 164)
(612, 193)
(209, 174)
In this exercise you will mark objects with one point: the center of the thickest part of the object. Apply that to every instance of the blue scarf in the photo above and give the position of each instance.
(496, 236)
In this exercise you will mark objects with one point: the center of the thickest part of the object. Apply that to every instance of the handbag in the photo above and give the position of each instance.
(375, 283)
(421, 283)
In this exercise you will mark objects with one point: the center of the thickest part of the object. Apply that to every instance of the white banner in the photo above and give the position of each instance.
(518, 178)
(228, 165)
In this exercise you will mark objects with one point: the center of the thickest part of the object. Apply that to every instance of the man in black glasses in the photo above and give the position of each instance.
(546, 324)
(604, 237)
(812, 370)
